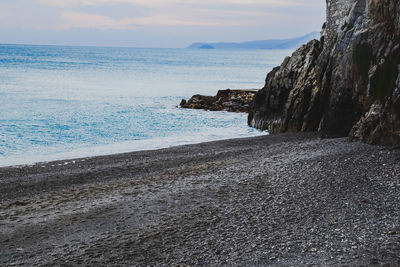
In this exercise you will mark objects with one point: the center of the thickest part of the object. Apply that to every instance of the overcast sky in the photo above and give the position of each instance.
(155, 23)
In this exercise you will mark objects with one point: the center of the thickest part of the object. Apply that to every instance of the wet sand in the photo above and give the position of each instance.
(270, 200)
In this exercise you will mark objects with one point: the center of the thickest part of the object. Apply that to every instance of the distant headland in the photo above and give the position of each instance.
(291, 43)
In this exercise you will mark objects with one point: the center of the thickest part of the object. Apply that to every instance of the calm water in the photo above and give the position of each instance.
(65, 102)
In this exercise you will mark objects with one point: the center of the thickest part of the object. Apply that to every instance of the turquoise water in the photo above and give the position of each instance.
(66, 102)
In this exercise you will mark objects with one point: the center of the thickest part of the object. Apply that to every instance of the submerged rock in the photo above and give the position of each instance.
(225, 100)
(345, 84)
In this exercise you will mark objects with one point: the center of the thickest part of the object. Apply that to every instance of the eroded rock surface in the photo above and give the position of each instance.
(346, 84)
(225, 100)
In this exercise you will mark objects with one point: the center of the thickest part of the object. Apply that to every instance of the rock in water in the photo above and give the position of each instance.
(225, 100)
(346, 84)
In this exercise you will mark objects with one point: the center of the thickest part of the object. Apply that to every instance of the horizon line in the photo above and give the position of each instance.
(141, 47)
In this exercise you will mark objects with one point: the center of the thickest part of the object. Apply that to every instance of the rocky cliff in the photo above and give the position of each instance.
(345, 84)
(225, 100)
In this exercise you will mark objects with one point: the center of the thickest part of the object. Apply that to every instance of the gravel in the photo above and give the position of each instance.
(279, 200)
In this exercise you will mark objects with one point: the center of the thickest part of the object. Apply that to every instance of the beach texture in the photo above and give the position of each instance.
(271, 200)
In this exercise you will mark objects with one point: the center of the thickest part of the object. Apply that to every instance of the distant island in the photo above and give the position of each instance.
(260, 44)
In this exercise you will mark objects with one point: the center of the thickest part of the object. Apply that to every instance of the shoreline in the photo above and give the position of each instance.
(288, 199)
(100, 151)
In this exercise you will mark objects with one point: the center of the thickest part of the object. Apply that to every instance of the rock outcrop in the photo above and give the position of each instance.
(345, 84)
(225, 100)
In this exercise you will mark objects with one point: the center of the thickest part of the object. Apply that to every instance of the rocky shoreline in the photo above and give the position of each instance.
(279, 200)
(238, 100)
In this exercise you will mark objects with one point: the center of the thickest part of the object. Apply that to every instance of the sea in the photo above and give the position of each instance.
(63, 102)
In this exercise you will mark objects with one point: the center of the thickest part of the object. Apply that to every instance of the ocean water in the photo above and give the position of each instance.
(65, 102)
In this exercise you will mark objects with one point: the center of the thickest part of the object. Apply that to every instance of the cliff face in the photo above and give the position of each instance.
(346, 84)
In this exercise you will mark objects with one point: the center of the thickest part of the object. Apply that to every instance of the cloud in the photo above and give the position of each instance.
(157, 3)
(85, 20)
(129, 14)
(94, 14)
(82, 20)
(152, 22)
(231, 18)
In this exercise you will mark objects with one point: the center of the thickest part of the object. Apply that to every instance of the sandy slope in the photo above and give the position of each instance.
(283, 199)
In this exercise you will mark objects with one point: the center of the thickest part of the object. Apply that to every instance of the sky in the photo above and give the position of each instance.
(155, 23)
